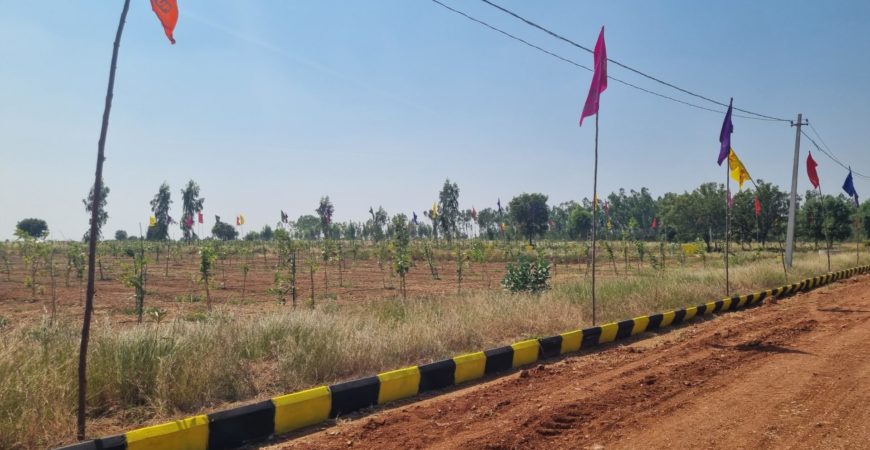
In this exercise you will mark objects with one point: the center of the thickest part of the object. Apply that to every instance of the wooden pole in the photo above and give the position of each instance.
(727, 224)
(594, 218)
(92, 243)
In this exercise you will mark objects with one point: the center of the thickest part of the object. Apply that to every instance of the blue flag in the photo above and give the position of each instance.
(415, 217)
(849, 187)
(725, 135)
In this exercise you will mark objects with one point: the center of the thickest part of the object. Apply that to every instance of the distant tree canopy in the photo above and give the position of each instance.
(579, 222)
(120, 235)
(224, 231)
(324, 211)
(102, 214)
(34, 228)
(160, 208)
(530, 214)
(448, 209)
(191, 205)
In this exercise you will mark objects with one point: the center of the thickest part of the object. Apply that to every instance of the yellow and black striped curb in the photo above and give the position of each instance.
(235, 427)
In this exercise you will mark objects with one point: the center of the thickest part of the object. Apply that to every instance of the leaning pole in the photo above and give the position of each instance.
(94, 231)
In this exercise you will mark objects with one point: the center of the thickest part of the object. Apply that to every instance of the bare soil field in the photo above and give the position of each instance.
(792, 374)
(175, 288)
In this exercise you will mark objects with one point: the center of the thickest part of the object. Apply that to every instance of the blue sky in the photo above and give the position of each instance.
(269, 105)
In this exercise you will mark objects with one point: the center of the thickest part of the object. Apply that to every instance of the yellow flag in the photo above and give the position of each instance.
(434, 212)
(241, 219)
(738, 170)
(152, 221)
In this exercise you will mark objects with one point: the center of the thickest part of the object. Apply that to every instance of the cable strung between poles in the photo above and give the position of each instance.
(657, 80)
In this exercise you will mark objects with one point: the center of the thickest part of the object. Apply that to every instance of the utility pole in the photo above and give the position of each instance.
(792, 206)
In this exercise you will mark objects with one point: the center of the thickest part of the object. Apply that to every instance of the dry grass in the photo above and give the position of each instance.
(145, 374)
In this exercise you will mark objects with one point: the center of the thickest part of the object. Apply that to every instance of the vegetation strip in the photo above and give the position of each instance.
(237, 426)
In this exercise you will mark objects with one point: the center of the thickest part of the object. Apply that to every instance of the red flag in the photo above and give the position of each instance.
(599, 79)
(474, 214)
(167, 12)
(757, 207)
(188, 222)
(200, 218)
(811, 170)
(238, 221)
(655, 223)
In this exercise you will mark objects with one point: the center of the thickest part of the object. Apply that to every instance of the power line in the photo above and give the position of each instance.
(832, 157)
(574, 63)
(657, 80)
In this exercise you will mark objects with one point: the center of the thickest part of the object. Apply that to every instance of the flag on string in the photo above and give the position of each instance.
(238, 221)
(606, 208)
(502, 226)
(849, 187)
(655, 223)
(811, 170)
(599, 78)
(609, 224)
(434, 213)
(730, 200)
(499, 206)
(167, 12)
(474, 214)
(757, 207)
(152, 221)
(738, 170)
(201, 217)
(725, 135)
(415, 217)
(188, 222)
(284, 217)
(242, 219)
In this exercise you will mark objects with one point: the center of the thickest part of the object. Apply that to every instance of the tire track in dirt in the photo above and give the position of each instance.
(791, 374)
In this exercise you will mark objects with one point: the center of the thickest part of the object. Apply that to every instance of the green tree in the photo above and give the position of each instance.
(487, 220)
(35, 228)
(324, 211)
(102, 214)
(579, 222)
(864, 215)
(307, 227)
(401, 254)
(530, 214)
(120, 235)
(223, 230)
(191, 205)
(160, 208)
(448, 205)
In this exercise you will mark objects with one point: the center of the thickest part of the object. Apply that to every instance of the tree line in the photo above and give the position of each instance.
(758, 215)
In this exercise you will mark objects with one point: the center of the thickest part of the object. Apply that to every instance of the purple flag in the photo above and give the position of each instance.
(725, 135)
(599, 78)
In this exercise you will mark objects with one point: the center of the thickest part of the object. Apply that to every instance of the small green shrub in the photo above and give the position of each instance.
(527, 275)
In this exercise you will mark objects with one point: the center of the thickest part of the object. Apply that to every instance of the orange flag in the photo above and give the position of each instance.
(167, 12)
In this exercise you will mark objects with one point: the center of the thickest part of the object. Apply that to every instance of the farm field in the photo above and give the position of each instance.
(194, 360)
(795, 374)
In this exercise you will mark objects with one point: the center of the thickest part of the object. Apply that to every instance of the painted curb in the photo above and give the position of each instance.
(238, 426)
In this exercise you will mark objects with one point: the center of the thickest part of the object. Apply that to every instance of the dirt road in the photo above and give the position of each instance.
(795, 374)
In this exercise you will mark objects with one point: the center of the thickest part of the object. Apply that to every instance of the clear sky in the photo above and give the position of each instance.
(270, 105)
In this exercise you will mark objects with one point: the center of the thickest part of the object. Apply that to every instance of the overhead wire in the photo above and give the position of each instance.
(624, 66)
(575, 63)
(832, 157)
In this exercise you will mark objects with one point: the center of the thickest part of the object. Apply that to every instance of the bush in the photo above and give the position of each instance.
(527, 276)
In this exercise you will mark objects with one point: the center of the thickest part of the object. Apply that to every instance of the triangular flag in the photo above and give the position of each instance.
(849, 187)
(201, 219)
(599, 78)
(738, 170)
(167, 12)
(725, 135)
(811, 170)
(757, 207)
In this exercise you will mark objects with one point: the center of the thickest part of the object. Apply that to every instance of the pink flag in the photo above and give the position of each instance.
(730, 200)
(599, 79)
